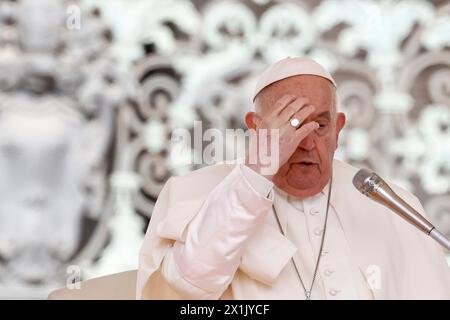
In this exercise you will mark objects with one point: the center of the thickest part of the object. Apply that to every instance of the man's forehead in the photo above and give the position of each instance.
(318, 90)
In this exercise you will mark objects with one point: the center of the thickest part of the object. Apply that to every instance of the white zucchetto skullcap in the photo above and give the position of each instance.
(290, 67)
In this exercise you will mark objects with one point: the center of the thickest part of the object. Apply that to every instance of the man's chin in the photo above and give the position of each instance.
(308, 186)
(298, 191)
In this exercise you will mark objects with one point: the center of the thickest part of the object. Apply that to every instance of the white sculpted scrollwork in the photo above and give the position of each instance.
(388, 57)
(58, 95)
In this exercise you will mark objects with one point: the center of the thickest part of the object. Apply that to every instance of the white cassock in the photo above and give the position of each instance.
(214, 235)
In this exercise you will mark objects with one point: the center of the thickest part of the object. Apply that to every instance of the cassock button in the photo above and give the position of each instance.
(333, 292)
(313, 211)
(328, 272)
(317, 231)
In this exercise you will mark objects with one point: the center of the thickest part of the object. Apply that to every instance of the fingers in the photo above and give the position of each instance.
(305, 130)
(285, 109)
(293, 108)
(282, 103)
(301, 115)
(294, 138)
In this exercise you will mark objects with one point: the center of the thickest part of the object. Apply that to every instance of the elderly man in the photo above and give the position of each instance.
(300, 232)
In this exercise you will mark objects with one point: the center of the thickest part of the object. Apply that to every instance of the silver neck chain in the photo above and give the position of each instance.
(308, 292)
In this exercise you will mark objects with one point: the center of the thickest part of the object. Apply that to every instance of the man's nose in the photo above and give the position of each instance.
(308, 143)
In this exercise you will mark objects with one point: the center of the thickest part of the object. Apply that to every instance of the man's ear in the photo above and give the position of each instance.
(340, 123)
(251, 119)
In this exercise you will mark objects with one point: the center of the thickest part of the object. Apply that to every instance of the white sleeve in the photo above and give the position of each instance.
(262, 185)
(203, 266)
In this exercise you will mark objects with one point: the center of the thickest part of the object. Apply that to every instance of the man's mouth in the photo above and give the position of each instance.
(306, 163)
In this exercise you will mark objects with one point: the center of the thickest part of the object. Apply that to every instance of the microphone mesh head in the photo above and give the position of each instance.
(360, 177)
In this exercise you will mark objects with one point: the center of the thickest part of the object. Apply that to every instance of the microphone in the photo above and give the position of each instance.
(372, 186)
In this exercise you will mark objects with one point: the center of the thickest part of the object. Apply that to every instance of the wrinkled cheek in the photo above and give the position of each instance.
(326, 153)
(280, 178)
(325, 168)
(283, 169)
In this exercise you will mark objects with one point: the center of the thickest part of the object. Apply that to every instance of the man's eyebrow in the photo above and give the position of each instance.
(325, 114)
